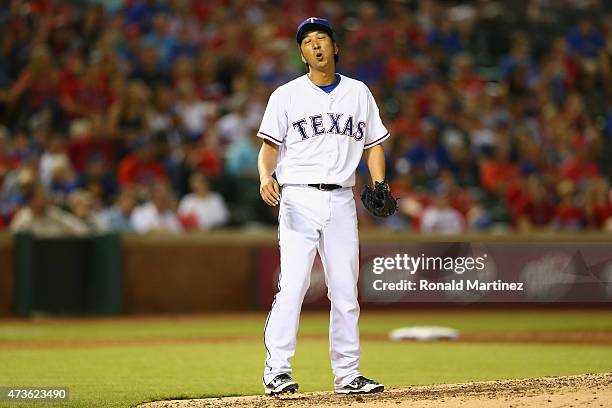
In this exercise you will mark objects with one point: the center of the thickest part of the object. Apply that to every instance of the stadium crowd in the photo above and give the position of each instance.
(141, 115)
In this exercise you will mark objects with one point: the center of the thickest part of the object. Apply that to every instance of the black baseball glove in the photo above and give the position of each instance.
(378, 200)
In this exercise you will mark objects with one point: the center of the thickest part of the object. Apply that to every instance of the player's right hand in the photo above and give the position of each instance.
(270, 191)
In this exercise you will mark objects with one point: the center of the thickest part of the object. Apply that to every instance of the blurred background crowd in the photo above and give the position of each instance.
(141, 115)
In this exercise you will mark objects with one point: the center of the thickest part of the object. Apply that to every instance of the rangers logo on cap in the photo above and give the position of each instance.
(313, 23)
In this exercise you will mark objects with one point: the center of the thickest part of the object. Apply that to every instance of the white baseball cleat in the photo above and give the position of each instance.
(280, 384)
(361, 385)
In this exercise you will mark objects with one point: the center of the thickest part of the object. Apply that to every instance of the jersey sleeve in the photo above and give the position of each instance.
(274, 123)
(376, 132)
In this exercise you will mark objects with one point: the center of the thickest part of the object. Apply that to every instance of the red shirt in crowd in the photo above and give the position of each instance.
(577, 171)
(569, 215)
(134, 171)
(600, 213)
(81, 96)
(538, 212)
(210, 163)
(493, 174)
(471, 84)
(40, 90)
(80, 150)
(397, 67)
(7, 163)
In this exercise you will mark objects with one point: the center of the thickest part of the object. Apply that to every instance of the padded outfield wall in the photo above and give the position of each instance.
(235, 270)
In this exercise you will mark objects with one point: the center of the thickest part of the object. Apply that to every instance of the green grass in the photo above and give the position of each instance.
(124, 375)
(311, 324)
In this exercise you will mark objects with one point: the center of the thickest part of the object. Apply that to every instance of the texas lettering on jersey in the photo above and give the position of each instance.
(321, 136)
(330, 123)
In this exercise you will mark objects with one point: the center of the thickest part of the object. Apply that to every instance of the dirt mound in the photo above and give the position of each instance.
(591, 390)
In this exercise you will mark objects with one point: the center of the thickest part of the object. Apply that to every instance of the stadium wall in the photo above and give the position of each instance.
(218, 271)
(7, 275)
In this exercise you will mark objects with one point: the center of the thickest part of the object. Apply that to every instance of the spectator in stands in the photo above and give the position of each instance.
(460, 91)
(408, 122)
(241, 157)
(428, 156)
(410, 201)
(235, 125)
(580, 165)
(463, 165)
(605, 65)
(70, 84)
(193, 112)
(37, 83)
(130, 115)
(43, 219)
(161, 39)
(441, 218)
(87, 140)
(568, 214)
(7, 162)
(158, 214)
(7, 165)
(559, 70)
(26, 170)
(98, 179)
(53, 155)
(163, 116)
(206, 156)
(63, 181)
(598, 203)
(186, 44)
(142, 166)
(119, 216)
(586, 40)
(149, 70)
(85, 90)
(464, 80)
(445, 37)
(459, 198)
(276, 72)
(82, 204)
(534, 208)
(202, 209)
(519, 59)
(499, 172)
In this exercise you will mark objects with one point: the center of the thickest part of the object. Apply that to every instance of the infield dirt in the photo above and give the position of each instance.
(591, 390)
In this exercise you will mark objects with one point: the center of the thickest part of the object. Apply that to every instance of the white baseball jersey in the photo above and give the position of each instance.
(321, 135)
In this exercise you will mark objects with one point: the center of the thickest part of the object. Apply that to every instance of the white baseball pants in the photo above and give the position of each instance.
(311, 220)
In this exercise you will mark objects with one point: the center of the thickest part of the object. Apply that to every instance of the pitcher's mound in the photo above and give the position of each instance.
(591, 390)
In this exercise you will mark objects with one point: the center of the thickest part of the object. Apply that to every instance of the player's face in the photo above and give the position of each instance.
(318, 49)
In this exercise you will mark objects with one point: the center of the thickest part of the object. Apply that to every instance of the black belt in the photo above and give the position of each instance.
(325, 187)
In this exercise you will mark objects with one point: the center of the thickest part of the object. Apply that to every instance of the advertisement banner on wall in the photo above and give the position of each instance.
(441, 272)
(487, 272)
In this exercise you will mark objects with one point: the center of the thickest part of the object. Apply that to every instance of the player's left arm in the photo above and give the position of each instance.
(376, 133)
(375, 159)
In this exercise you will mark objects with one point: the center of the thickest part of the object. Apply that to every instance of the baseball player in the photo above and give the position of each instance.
(315, 130)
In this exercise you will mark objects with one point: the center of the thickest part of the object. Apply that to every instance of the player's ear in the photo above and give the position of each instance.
(302, 57)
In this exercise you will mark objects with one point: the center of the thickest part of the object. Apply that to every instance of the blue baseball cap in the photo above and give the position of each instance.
(313, 23)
